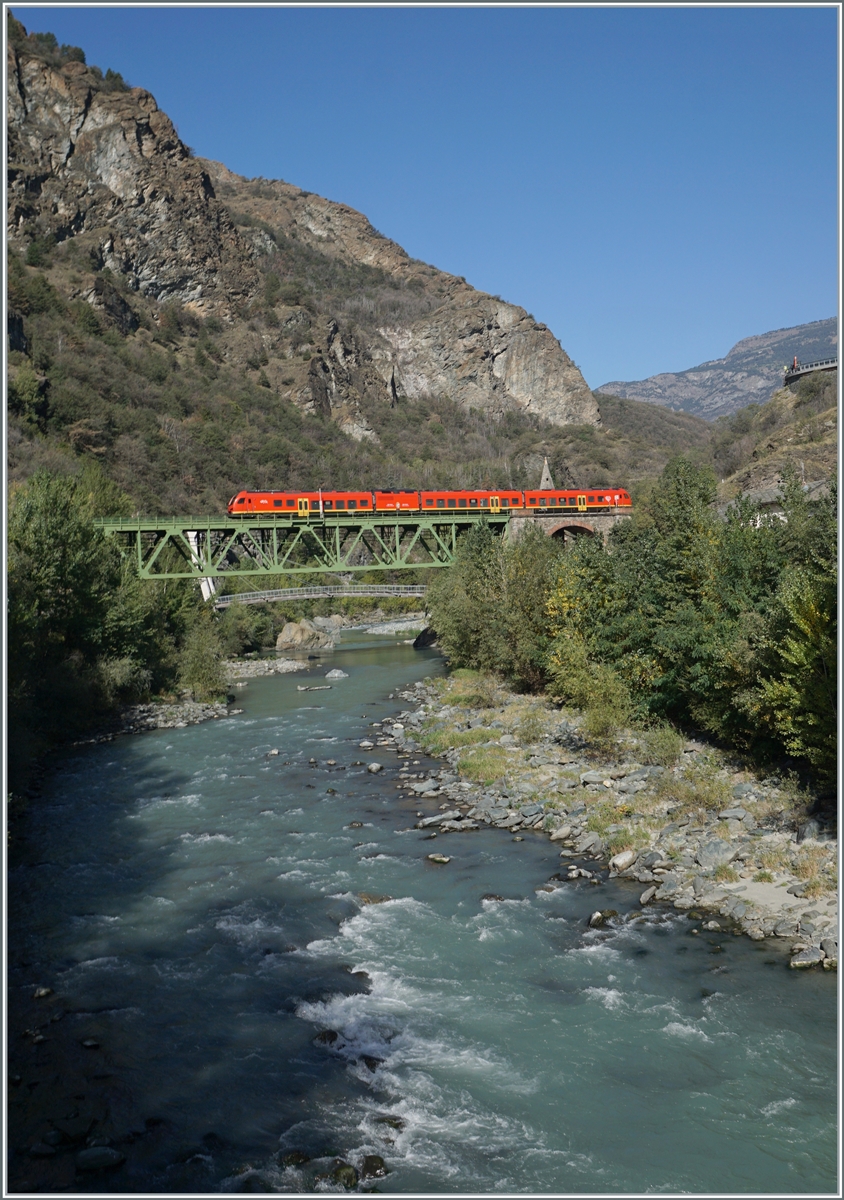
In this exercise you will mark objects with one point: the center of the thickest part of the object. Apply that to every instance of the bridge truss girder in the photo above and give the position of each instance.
(202, 548)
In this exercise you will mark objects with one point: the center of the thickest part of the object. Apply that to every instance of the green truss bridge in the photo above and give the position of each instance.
(205, 548)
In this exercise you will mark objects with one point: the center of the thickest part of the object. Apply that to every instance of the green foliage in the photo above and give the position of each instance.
(726, 625)
(201, 661)
(84, 633)
(662, 746)
(244, 628)
(488, 609)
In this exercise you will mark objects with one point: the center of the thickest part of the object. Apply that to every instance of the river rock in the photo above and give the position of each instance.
(715, 853)
(427, 785)
(345, 1175)
(809, 829)
(373, 1167)
(830, 947)
(647, 896)
(98, 1158)
(560, 835)
(292, 1158)
(337, 674)
(374, 767)
(601, 917)
(303, 635)
(620, 862)
(439, 858)
(809, 957)
(591, 842)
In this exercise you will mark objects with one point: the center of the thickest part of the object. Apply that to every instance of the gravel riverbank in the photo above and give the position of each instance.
(702, 834)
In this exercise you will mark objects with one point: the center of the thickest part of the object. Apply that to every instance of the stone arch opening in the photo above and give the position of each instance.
(570, 531)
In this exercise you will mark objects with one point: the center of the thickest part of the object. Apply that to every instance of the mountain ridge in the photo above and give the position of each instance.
(749, 373)
(106, 169)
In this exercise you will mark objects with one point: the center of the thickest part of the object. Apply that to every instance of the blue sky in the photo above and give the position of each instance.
(653, 183)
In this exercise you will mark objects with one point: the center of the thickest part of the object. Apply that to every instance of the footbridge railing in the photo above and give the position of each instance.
(317, 593)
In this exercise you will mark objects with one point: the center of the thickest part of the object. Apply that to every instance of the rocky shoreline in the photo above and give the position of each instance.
(701, 834)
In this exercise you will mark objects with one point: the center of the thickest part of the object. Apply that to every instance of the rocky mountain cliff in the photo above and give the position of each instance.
(749, 374)
(311, 301)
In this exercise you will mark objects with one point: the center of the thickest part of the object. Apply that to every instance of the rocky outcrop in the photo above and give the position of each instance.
(103, 168)
(303, 635)
(108, 167)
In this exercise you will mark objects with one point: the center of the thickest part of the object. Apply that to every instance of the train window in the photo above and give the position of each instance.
(241, 500)
(484, 503)
(505, 503)
(473, 503)
(591, 500)
(278, 503)
(532, 500)
(429, 504)
(543, 503)
(364, 504)
(341, 504)
(351, 504)
(461, 503)
(329, 504)
(452, 504)
(314, 504)
(290, 503)
(441, 504)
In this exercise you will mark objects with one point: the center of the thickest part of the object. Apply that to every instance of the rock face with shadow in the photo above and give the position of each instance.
(355, 322)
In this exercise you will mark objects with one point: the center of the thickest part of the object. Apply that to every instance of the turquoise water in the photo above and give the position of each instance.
(197, 905)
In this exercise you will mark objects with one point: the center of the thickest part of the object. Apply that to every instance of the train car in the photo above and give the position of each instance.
(299, 503)
(392, 500)
(581, 499)
(491, 501)
(323, 503)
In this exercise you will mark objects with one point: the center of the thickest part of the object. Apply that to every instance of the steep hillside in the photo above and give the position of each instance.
(311, 301)
(750, 373)
(797, 427)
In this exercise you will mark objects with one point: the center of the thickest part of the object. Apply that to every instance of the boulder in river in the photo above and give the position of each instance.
(98, 1158)
(810, 957)
(345, 1175)
(373, 1167)
(303, 635)
(620, 862)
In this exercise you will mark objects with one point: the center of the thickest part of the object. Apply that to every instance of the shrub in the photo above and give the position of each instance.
(662, 746)
(763, 877)
(200, 662)
(726, 874)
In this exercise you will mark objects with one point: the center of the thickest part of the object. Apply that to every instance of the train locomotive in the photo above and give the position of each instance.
(326, 503)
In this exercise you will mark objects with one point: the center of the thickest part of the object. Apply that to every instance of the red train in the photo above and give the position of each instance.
(328, 503)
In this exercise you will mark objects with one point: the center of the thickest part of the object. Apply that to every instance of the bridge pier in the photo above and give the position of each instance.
(569, 526)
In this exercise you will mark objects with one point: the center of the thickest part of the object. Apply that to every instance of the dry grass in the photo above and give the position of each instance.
(726, 874)
(763, 877)
(604, 814)
(699, 789)
(774, 858)
(437, 740)
(484, 765)
(661, 746)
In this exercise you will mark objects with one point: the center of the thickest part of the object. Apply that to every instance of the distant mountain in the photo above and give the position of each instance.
(750, 373)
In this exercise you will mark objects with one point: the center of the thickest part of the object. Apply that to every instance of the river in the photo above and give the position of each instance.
(195, 904)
